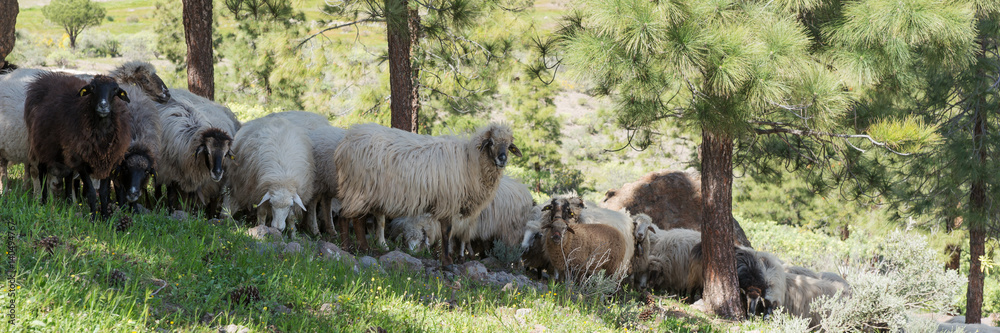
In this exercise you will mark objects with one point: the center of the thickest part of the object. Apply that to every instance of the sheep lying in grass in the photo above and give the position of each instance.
(577, 249)
(13, 129)
(416, 231)
(390, 172)
(79, 126)
(275, 170)
(671, 264)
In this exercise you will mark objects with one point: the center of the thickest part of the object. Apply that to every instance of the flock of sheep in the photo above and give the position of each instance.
(127, 127)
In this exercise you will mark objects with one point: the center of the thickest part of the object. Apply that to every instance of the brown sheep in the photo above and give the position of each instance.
(80, 126)
(580, 249)
(671, 198)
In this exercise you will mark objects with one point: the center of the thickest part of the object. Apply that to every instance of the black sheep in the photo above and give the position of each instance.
(80, 126)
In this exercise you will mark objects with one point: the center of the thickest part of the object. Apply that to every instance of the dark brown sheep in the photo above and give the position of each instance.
(671, 198)
(79, 125)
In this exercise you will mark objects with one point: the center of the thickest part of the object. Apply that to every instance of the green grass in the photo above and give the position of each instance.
(180, 275)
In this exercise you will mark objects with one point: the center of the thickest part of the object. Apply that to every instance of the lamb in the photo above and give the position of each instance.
(78, 125)
(503, 219)
(275, 169)
(13, 129)
(193, 152)
(645, 231)
(578, 248)
(325, 140)
(143, 151)
(417, 231)
(385, 171)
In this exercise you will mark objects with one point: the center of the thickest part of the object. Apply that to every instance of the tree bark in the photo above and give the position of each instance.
(977, 228)
(401, 79)
(198, 37)
(8, 18)
(721, 286)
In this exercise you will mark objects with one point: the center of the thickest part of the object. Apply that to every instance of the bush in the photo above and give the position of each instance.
(60, 58)
(504, 253)
(100, 44)
(908, 277)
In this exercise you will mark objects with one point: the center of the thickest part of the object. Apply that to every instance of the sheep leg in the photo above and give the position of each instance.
(41, 178)
(311, 218)
(359, 233)
(172, 198)
(91, 193)
(380, 231)
(105, 192)
(3, 174)
(445, 241)
(344, 226)
(212, 209)
(326, 209)
(31, 173)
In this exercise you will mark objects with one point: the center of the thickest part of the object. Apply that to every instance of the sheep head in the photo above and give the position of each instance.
(494, 142)
(281, 201)
(100, 94)
(750, 274)
(216, 146)
(558, 216)
(143, 75)
(135, 170)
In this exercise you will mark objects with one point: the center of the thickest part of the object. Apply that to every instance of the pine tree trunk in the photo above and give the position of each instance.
(414, 24)
(400, 69)
(198, 37)
(721, 287)
(8, 17)
(977, 229)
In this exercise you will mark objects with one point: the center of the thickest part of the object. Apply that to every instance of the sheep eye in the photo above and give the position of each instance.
(547, 207)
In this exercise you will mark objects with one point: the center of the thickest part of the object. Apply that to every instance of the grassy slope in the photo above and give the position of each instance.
(198, 264)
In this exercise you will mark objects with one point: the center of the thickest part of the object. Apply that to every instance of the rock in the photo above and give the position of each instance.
(333, 252)
(179, 215)
(234, 329)
(293, 247)
(538, 329)
(401, 260)
(263, 232)
(474, 270)
(367, 261)
(329, 308)
(700, 306)
(282, 309)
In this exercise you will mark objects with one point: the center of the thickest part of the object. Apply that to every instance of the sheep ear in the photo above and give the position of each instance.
(298, 201)
(486, 144)
(570, 229)
(514, 150)
(122, 95)
(650, 228)
(85, 90)
(267, 196)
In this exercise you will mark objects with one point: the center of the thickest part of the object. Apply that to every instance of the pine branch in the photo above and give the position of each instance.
(367, 19)
(777, 127)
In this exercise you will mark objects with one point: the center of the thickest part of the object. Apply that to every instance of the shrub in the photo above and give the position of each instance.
(504, 253)
(100, 44)
(907, 277)
(60, 58)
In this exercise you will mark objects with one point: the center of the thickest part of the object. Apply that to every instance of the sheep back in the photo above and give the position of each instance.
(325, 140)
(303, 119)
(586, 245)
(392, 172)
(506, 216)
(671, 198)
(216, 115)
(671, 257)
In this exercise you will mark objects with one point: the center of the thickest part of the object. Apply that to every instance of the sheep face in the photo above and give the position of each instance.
(102, 91)
(495, 144)
(753, 285)
(216, 146)
(281, 202)
(134, 172)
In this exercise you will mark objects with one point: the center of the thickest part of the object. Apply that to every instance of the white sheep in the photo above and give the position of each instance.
(503, 219)
(802, 290)
(303, 119)
(385, 171)
(671, 263)
(274, 170)
(193, 152)
(325, 140)
(216, 114)
(13, 129)
(417, 231)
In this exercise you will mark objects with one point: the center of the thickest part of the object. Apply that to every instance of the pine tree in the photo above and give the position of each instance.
(778, 78)
(198, 36)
